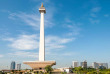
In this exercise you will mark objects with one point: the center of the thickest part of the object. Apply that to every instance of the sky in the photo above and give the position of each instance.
(75, 30)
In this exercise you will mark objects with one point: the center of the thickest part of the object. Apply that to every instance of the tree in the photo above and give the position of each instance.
(48, 68)
(78, 69)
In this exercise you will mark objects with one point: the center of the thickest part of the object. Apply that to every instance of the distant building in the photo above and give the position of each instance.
(66, 69)
(100, 65)
(18, 66)
(75, 64)
(95, 65)
(105, 65)
(84, 64)
(12, 65)
(81, 64)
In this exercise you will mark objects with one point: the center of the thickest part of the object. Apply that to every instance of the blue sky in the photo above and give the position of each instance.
(75, 30)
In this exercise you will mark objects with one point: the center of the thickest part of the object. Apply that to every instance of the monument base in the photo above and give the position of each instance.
(39, 65)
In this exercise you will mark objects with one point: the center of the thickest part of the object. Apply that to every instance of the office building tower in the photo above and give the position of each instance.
(99, 65)
(84, 64)
(18, 66)
(12, 65)
(81, 64)
(95, 65)
(105, 65)
(75, 64)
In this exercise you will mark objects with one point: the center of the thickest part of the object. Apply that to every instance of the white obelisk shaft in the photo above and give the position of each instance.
(42, 39)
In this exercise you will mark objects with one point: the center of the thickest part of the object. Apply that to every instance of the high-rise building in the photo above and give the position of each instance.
(105, 65)
(81, 64)
(95, 65)
(18, 66)
(84, 64)
(75, 64)
(98, 65)
(13, 65)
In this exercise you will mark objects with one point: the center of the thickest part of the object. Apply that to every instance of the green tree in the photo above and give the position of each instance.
(48, 68)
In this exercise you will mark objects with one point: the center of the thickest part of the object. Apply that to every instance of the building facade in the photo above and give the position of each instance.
(81, 64)
(95, 65)
(75, 64)
(13, 65)
(99, 65)
(105, 65)
(18, 66)
(85, 64)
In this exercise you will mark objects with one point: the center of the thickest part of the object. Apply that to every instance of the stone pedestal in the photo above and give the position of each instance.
(39, 65)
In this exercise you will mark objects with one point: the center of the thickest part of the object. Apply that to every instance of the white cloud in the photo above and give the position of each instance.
(30, 19)
(73, 27)
(93, 15)
(33, 19)
(96, 9)
(55, 42)
(62, 53)
(24, 54)
(75, 30)
(106, 15)
(94, 21)
(24, 42)
(1, 56)
(31, 42)
(69, 53)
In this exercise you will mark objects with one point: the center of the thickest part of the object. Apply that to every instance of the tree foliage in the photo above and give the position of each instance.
(80, 70)
(48, 68)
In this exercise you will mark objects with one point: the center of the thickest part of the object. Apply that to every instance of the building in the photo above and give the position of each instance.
(105, 65)
(18, 66)
(95, 65)
(99, 65)
(84, 64)
(13, 65)
(66, 69)
(81, 64)
(75, 64)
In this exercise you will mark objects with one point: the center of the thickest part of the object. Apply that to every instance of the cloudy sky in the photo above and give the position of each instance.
(75, 30)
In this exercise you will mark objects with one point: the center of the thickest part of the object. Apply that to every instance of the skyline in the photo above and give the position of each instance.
(75, 31)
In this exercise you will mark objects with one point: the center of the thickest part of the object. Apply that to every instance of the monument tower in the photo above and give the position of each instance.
(42, 39)
(41, 63)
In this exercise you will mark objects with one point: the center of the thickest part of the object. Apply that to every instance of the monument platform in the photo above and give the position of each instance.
(39, 64)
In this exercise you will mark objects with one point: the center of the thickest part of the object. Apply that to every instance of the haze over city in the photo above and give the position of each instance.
(75, 30)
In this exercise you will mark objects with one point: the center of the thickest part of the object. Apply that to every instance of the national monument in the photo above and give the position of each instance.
(41, 63)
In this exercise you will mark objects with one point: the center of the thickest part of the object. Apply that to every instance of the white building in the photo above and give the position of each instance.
(18, 66)
(97, 65)
(75, 64)
(66, 69)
